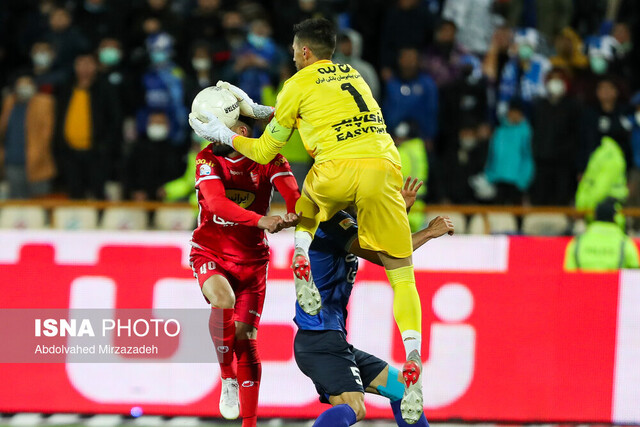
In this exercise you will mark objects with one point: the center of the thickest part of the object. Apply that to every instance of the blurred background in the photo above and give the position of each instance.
(521, 117)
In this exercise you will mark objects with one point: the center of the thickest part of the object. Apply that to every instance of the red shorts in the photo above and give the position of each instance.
(248, 281)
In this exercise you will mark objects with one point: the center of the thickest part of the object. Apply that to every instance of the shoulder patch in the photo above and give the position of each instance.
(347, 223)
(205, 170)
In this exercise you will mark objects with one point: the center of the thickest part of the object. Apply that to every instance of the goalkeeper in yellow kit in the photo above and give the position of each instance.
(356, 162)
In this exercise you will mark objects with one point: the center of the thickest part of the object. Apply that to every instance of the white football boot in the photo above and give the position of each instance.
(306, 291)
(229, 401)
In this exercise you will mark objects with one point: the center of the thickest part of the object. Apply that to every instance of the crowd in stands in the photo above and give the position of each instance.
(489, 101)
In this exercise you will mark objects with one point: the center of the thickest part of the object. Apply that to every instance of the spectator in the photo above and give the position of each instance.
(603, 246)
(26, 133)
(622, 63)
(143, 178)
(412, 95)
(257, 61)
(606, 118)
(47, 71)
(510, 165)
(605, 176)
(445, 59)
(466, 159)
(462, 100)
(349, 51)
(86, 112)
(634, 172)
(97, 19)
(523, 77)
(205, 21)
(291, 12)
(414, 164)
(569, 52)
(549, 17)
(476, 23)
(556, 125)
(408, 23)
(163, 85)
(67, 40)
(202, 73)
(233, 37)
(153, 18)
(498, 54)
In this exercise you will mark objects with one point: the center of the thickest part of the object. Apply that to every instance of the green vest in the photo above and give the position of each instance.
(606, 175)
(413, 156)
(603, 247)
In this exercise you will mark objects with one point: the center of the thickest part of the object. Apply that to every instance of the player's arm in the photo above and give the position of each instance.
(439, 226)
(282, 178)
(570, 263)
(214, 194)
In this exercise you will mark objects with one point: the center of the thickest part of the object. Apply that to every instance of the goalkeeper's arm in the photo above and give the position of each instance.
(262, 150)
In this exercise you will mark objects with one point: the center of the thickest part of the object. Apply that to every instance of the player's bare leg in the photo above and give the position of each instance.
(249, 372)
(408, 315)
(223, 332)
(306, 291)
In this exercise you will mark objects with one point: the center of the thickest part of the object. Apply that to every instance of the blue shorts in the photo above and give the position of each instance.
(334, 365)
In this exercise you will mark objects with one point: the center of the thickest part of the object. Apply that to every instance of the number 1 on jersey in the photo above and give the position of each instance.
(356, 96)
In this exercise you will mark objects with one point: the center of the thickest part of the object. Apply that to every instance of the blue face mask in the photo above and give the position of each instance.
(257, 41)
(159, 57)
(598, 64)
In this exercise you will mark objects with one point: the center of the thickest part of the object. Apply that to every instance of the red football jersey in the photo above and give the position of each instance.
(249, 185)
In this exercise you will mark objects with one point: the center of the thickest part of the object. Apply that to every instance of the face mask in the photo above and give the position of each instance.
(42, 59)
(109, 56)
(157, 132)
(637, 116)
(467, 143)
(25, 91)
(257, 41)
(159, 57)
(598, 64)
(525, 52)
(556, 87)
(201, 64)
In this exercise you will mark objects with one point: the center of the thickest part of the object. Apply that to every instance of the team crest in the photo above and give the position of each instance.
(205, 170)
(347, 223)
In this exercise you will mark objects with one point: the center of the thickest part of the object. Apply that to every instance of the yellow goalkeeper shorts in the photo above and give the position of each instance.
(373, 185)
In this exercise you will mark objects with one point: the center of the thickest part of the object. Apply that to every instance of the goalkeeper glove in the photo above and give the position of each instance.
(247, 106)
(212, 130)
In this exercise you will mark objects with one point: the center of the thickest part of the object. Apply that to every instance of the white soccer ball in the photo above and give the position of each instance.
(218, 101)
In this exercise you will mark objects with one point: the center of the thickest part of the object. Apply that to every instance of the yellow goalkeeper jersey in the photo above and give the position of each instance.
(337, 117)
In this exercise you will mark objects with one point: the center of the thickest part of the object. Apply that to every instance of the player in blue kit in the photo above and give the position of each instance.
(340, 372)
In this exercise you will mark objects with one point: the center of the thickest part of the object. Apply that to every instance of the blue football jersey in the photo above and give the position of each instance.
(334, 272)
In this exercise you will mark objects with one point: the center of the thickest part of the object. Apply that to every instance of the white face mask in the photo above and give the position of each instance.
(556, 87)
(25, 91)
(42, 59)
(157, 132)
(201, 64)
(637, 116)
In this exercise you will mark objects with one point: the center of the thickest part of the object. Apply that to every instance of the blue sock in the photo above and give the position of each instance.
(395, 407)
(337, 416)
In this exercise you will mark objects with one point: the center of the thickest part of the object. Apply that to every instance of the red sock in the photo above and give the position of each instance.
(249, 374)
(223, 334)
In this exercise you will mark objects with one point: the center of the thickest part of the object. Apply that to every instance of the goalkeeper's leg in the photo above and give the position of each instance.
(306, 291)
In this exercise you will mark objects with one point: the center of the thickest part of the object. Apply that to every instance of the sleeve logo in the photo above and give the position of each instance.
(347, 223)
(205, 170)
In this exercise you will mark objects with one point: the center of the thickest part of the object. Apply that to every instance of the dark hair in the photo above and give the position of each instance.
(606, 209)
(318, 34)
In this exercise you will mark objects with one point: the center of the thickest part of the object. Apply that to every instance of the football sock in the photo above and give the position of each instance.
(406, 305)
(412, 340)
(249, 374)
(309, 220)
(397, 414)
(337, 416)
(222, 329)
(303, 240)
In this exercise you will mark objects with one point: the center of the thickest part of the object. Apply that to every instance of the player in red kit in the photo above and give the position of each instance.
(230, 256)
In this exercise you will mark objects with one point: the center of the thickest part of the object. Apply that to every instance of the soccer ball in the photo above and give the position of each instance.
(218, 101)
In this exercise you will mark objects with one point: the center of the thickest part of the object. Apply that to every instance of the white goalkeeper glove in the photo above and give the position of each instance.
(247, 106)
(212, 130)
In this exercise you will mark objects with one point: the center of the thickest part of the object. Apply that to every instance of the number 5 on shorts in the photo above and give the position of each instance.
(356, 373)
